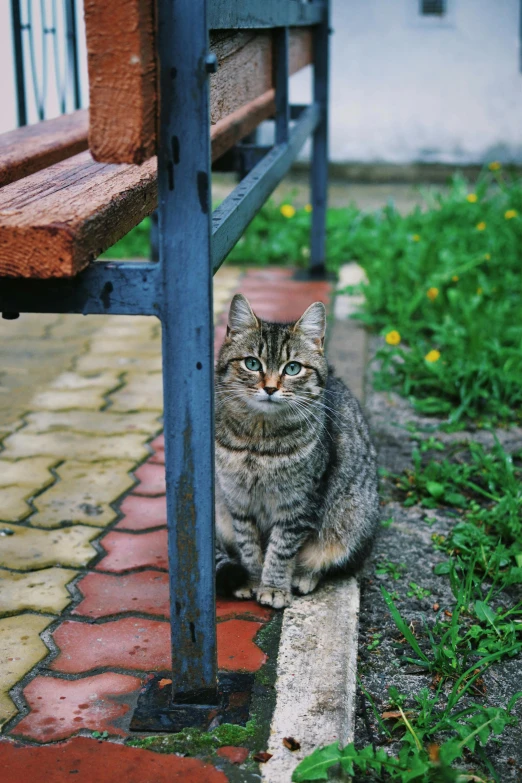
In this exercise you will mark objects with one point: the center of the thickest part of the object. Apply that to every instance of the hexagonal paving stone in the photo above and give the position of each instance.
(20, 649)
(106, 595)
(68, 399)
(140, 393)
(84, 493)
(127, 550)
(13, 503)
(19, 481)
(121, 347)
(40, 591)
(97, 362)
(60, 708)
(141, 513)
(73, 445)
(107, 380)
(25, 549)
(93, 422)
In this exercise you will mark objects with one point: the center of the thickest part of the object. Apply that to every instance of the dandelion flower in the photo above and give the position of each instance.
(510, 214)
(308, 208)
(432, 356)
(287, 211)
(472, 198)
(494, 165)
(455, 278)
(479, 291)
(481, 226)
(393, 337)
(432, 293)
(487, 257)
(416, 238)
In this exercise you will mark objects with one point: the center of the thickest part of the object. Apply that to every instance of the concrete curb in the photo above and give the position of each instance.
(316, 671)
(317, 659)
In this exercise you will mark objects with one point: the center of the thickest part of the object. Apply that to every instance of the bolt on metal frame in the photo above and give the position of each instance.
(193, 242)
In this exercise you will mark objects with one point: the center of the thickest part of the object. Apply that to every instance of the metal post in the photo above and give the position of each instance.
(16, 26)
(319, 171)
(281, 83)
(72, 50)
(184, 212)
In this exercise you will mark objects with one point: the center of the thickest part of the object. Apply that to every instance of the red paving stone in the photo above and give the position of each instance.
(151, 480)
(129, 643)
(85, 760)
(234, 755)
(144, 645)
(236, 648)
(105, 595)
(60, 708)
(142, 513)
(126, 551)
(225, 609)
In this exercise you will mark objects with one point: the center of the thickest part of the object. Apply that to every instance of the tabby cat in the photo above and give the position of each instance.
(296, 470)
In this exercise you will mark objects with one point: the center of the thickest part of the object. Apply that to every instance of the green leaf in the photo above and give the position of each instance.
(435, 489)
(485, 612)
(518, 559)
(316, 765)
(442, 568)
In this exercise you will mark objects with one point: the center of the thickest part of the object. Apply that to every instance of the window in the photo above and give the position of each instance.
(433, 7)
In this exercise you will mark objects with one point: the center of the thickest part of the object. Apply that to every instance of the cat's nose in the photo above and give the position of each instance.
(270, 390)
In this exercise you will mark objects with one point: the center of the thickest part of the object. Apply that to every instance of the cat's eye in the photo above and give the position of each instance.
(292, 368)
(253, 364)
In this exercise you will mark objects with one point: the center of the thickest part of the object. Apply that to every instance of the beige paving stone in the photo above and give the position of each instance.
(13, 503)
(124, 347)
(141, 392)
(31, 472)
(99, 380)
(68, 399)
(98, 362)
(74, 445)
(27, 549)
(39, 591)
(20, 649)
(84, 493)
(94, 422)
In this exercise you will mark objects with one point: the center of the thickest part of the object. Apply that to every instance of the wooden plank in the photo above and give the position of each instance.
(53, 223)
(33, 147)
(123, 79)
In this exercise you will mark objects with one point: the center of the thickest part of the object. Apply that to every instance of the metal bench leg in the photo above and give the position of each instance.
(319, 170)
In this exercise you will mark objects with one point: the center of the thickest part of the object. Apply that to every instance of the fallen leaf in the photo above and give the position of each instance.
(391, 714)
(448, 613)
(262, 756)
(436, 607)
(291, 743)
(164, 682)
(433, 752)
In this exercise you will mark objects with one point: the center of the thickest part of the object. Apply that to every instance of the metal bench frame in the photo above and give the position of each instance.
(193, 243)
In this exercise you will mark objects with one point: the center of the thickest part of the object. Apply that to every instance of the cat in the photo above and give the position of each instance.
(296, 473)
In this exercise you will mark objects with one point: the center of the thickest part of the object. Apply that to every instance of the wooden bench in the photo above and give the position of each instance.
(58, 213)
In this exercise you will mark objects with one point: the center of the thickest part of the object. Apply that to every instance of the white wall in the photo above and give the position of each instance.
(404, 87)
(410, 88)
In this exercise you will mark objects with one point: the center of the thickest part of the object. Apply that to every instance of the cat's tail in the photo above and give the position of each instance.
(230, 574)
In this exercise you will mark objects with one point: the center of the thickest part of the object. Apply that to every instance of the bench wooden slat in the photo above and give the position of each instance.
(54, 222)
(123, 78)
(33, 147)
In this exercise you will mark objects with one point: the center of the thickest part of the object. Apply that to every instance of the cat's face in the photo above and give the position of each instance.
(272, 368)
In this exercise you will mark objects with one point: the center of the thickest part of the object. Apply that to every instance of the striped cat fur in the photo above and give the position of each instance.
(296, 470)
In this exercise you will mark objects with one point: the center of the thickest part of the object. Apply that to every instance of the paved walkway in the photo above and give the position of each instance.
(83, 552)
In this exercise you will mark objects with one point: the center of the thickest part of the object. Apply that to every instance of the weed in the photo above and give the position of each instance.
(387, 568)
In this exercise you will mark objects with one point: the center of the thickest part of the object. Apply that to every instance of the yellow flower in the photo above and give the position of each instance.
(472, 198)
(455, 278)
(416, 238)
(510, 214)
(479, 291)
(432, 356)
(393, 337)
(494, 165)
(481, 226)
(432, 293)
(308, 208)
(487, 257)
(287, 211)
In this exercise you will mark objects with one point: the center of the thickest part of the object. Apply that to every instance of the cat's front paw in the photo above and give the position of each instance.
(247, 591)
(272, 596)
(305, 583)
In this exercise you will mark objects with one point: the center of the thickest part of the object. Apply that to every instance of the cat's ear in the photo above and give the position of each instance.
(312, 323)
(241, 316)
